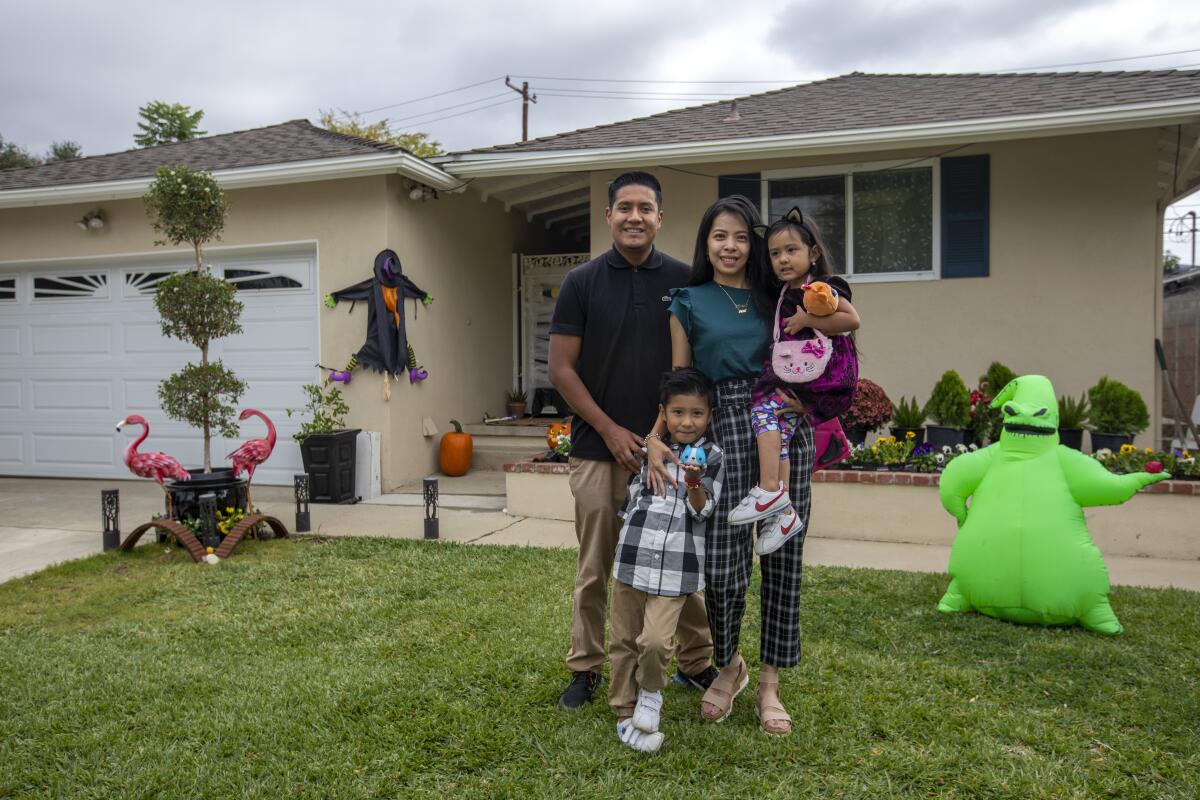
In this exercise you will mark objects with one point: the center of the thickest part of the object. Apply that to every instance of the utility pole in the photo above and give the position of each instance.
(526, 99)
(1192, 231)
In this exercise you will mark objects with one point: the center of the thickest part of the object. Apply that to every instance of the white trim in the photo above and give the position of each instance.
(324, 169)
(847, 171)
(1055, 123)
(160, 256)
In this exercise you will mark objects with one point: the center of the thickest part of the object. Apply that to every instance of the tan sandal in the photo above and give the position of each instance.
(771, 713)
(721, 694)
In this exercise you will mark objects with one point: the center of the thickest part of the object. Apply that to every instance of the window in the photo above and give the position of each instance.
(8, 289)
(62, 287)
(144, 284)
(250, 279)
(876, 220)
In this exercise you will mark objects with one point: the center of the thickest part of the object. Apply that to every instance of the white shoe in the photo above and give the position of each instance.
(648, 711)
(777, 530)
(759, 504)
(639, 740)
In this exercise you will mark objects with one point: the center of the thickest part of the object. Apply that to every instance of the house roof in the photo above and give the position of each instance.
(862, 100)
(296, 140)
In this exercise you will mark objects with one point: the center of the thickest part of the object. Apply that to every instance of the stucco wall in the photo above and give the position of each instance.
(1074, 280)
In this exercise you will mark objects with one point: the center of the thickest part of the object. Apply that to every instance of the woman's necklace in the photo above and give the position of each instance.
(741, 309)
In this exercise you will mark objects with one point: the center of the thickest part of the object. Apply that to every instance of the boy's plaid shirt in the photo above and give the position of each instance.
(661, 549)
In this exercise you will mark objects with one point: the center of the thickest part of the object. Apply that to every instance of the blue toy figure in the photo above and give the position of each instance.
(694, 456)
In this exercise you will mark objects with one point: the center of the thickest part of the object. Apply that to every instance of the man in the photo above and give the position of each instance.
(609, 346)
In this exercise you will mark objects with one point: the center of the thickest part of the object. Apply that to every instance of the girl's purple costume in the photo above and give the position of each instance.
(825, 397)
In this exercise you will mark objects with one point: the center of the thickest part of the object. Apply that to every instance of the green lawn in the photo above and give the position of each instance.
(373, 668)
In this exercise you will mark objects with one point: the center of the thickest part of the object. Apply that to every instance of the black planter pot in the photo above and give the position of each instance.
(940, 436)
(329, 461)
(1111, 441)
(228, 492)
(900, 433)
(1071, 437)
(856, 436)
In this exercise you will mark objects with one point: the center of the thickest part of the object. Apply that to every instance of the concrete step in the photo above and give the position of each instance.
(495, 453)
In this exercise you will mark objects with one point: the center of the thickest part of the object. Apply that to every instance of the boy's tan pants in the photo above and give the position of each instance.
(643, 627)
(600, 492)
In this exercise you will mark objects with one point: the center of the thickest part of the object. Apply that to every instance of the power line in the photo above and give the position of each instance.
(429, 96)
(449, 108)
(642, 80)
(631, 91)
(542, 93)
(469, 111)
(1098, 61)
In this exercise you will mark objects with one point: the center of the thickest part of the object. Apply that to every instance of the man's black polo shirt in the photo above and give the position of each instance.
(620, 313)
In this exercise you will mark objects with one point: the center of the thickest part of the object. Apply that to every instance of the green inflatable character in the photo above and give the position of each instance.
(1023, 552)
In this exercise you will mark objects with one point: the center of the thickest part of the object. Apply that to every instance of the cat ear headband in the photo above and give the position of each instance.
(794, 215)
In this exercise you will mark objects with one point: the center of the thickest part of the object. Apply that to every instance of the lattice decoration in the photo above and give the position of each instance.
(144, 284)
(8, 289)
(258, 279)
(556, 261)
(62, 287)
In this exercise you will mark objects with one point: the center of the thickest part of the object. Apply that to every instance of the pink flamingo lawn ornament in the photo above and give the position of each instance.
(253, 452)
(158, 466)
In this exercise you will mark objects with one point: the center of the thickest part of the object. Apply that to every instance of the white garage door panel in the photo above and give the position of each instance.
(75, 366)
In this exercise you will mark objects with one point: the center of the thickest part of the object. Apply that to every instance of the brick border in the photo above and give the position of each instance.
(879, 478)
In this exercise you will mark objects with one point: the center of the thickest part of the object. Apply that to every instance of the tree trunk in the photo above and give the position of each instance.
(199, 257)
(207, 434)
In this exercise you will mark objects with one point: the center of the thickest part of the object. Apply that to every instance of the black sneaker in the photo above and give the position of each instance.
(700, 681)
(580, 690)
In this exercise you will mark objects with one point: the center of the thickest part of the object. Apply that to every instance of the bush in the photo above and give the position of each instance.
(908, 414)
(1072, 413)
(325, 408)
(950, 402)
(986, 422)
(870, 408)
(1117, 409)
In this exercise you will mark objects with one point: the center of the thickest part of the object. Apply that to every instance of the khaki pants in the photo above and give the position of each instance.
(600, 492)
(643, 627)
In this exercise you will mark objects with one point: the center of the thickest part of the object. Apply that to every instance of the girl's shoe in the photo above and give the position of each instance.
(772, 718)
(777, 531)
(648, 712)
(723, 691)
(759, 504)
(637, 739)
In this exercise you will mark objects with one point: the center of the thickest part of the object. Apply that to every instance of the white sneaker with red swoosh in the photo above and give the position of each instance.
(759, 504)
(775, 533)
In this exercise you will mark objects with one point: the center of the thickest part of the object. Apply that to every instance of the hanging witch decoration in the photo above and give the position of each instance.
(386, 349)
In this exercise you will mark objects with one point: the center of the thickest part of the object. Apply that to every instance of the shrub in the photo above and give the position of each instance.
(326, 410)
(986, 422)
(1117, 409)
(1072, 413)
(908, 414)
(870, 408)
(949, 403)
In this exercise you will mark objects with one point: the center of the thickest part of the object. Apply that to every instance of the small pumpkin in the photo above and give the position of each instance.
(455, 452)
(556, 430)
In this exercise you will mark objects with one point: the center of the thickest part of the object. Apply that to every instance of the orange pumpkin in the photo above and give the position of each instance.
(556, 430)
(455, 451)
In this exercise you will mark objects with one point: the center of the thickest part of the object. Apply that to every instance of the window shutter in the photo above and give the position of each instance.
(748, 184)
(965, 224)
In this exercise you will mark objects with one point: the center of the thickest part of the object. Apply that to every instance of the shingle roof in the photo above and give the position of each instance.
(862, 100)
(297, 140)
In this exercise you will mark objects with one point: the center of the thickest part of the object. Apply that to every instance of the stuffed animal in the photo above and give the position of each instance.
(558, 435)
(693, 456)
(820, 299)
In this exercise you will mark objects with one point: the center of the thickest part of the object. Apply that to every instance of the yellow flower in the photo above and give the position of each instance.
(1148, 451)
(875, 449)
(879, 440)
(891, 440)
(910, 435)
(1126, 449)
(228, 509)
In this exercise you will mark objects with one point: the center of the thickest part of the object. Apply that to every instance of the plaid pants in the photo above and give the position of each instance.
(729, 551)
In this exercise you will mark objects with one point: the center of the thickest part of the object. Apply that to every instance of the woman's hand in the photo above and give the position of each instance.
(658, 476)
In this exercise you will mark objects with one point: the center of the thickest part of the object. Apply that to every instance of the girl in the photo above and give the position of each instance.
(720, 324)
(798, 258)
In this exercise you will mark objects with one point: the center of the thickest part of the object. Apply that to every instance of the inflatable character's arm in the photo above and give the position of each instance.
(1093, 485)
(960, 480)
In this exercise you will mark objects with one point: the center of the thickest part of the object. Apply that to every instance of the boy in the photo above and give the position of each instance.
(660, 560)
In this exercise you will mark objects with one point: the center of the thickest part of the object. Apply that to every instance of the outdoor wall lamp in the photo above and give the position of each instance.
(93, 220)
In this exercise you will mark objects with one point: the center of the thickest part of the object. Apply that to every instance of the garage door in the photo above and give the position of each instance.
(80, 348)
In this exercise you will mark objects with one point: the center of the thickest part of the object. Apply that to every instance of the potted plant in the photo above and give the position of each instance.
(949, 407)
(454, 455)
(985, 421)
(1072, 414)
(1117, 414)
(908, 417)
(197, 307)
(516, 402)
(870, 409)
(327, 447)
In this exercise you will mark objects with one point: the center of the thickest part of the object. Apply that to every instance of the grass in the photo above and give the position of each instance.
(377, 668)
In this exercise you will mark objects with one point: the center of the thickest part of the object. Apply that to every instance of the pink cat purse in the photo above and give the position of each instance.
(799, 361)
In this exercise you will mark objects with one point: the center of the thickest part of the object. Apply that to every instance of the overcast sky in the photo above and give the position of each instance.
(79, 70)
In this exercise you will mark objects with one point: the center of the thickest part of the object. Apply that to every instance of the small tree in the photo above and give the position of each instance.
(163, 123)
(351, 124)
(195, 306)
(13, 155)
(949, 403)
(65, 150)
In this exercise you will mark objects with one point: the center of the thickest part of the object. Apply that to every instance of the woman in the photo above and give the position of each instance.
(721, 324)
